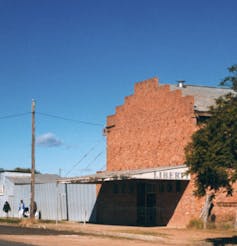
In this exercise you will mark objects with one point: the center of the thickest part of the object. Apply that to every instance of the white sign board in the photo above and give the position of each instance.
(166, 174)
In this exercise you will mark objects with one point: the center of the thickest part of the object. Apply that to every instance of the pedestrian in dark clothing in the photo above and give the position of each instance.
(6, 207)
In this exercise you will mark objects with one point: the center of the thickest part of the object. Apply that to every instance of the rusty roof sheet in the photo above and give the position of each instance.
(101, 177)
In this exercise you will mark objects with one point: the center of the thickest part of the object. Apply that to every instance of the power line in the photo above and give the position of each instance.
(83, 157)
(96, 157)
(68, 119)
(13, 115)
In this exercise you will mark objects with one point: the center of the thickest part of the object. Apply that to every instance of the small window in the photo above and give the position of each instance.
(150, 188)
(178, 186)
(161, 187)
(169, 187)
(202, 119)
(131, 188)
(123, 190)
(115, 188)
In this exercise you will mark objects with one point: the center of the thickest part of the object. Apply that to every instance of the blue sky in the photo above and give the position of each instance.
(79, 58)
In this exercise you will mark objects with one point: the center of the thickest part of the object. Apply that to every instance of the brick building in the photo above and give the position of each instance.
(146, 182)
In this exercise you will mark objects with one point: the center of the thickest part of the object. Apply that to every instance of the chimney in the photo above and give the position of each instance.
(180, 83)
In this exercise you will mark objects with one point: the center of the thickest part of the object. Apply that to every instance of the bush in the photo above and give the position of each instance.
(195, 224)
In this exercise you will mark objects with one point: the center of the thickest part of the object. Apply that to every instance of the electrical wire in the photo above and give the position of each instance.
(96, 157)
(67, 119)
(13, 115)
(83, 157)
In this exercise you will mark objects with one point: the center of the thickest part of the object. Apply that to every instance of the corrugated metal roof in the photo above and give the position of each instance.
(39, 179)
(149, 173)
(204, 96)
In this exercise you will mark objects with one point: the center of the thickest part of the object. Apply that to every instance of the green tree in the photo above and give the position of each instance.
(231, 80)
(24, 170)
(212, 154)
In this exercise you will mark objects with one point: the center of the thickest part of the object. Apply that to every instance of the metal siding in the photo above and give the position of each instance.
(46, 199)
(51, 200)
(21, 192)
(7, 196)
(81, 202)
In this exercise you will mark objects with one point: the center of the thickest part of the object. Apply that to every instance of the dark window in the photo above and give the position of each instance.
(161, 187)
(123, 190)
(202, 119)
(169, 187)
(178, 186)
(115, 188)
(150, 188)
(131, 188)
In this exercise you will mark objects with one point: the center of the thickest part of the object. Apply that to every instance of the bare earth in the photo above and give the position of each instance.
(90, 234)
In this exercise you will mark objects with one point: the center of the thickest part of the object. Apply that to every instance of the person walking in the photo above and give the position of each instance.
(21, 209)
(6, 208)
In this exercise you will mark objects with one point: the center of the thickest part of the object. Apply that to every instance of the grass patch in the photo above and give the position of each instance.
(143, 232)
(10, 220)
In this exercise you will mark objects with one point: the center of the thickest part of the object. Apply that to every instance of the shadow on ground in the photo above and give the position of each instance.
(8, 243)
(222, 241)
(17, 230)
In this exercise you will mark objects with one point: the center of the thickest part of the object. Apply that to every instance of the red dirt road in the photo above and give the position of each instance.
(87, 235)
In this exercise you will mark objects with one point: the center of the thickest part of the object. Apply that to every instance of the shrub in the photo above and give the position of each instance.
(195, 224)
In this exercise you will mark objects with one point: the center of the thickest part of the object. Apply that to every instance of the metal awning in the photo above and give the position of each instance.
(160, 173)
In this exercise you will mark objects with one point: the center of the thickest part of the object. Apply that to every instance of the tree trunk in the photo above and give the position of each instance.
(206, 210)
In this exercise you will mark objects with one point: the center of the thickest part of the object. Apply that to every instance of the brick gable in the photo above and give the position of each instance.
(150, 129)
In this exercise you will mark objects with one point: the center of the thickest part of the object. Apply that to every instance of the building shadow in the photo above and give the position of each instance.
(18, 230)
(222, 241)
(10, 243)
(138, 202)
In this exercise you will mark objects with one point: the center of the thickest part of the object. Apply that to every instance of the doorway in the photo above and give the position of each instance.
(146, 204)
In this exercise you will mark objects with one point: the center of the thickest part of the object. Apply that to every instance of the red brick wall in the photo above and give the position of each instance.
(150, 129)
(189, 207)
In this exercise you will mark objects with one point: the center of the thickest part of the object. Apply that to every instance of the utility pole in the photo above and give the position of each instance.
(32, 198)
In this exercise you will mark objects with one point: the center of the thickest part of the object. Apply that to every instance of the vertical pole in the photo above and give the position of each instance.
(66, 196)
(32, 198)
(57, 202)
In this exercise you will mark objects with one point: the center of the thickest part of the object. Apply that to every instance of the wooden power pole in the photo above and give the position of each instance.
(32, 198)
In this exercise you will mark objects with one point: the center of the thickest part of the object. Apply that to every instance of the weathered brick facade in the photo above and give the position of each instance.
(151, 129)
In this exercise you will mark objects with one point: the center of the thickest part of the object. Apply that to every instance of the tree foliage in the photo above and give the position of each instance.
(24, 170)
(212, 154)
(231, 80)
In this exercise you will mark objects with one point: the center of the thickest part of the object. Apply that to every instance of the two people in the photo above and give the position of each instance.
(24, 211)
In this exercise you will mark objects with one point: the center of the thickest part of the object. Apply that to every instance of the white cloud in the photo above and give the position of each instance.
(48, 140)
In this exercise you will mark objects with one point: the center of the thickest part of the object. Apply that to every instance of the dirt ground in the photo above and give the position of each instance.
(90, 234)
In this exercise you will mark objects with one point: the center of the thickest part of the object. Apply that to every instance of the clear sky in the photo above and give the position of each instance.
(79, 58)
